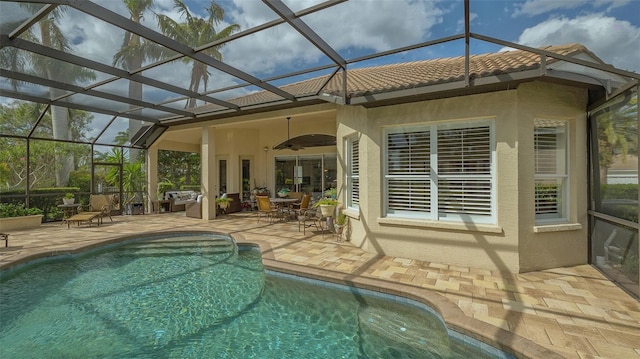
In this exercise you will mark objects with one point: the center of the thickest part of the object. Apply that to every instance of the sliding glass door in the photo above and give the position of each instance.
(310, 174)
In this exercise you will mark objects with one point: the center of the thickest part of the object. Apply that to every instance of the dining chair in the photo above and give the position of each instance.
(312, 215)
(265, 209)
(303, 205)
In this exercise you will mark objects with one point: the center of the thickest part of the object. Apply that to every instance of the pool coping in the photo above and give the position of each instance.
(451, 314)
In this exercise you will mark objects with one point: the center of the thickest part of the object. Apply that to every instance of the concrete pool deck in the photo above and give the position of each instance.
(574, 312)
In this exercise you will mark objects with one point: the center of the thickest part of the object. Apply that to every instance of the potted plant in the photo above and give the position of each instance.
(284, 192)
(327, 206)
(341, 222)
(16, 217)
(163, 186)
(69, 198)
(331, 193)
(223, 202)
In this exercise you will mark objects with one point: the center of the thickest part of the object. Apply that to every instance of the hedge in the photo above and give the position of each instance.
(46, 199)
(619, 191)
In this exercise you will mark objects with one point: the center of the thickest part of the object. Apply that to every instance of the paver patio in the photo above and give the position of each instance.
(575, 312)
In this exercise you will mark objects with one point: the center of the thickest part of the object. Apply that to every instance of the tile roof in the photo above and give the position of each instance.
(394, 77)
(430, 72)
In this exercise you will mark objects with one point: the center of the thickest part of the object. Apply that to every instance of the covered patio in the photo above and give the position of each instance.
(575, 312)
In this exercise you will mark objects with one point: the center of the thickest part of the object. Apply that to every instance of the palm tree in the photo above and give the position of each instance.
(135, 50)
(617, 134)
(196, 32)
(51, 36)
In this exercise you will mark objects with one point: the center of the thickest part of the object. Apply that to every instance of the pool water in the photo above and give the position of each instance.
(198, 296)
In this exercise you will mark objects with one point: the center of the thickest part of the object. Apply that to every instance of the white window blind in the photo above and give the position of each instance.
(353, 172)
(444, 167)
(464, 171)
(551, 170)
(408, 164)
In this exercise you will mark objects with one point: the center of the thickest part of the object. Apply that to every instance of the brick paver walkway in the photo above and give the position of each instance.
(574, 311)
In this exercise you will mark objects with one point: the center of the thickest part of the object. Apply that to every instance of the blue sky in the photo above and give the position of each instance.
(609, 28)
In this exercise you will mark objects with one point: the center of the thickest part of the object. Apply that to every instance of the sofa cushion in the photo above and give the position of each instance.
(180, 197)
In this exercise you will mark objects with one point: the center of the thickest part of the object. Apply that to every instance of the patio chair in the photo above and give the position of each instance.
(313, 215)
(265, 209)
(296, 195)
(303, 205)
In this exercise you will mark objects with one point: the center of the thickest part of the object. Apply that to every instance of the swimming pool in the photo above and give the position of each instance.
(198, 296)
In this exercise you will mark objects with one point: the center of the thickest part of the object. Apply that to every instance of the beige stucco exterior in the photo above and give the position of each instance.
(513, 244)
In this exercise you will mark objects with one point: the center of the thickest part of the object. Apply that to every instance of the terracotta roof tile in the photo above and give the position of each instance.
(408, 75)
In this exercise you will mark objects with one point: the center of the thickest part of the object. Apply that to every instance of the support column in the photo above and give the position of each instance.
(209, 172)
(152, 176)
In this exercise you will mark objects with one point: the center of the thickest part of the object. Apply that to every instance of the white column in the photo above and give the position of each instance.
(209, 173)
(152, 176)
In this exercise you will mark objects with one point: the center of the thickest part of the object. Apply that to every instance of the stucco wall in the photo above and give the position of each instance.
(246, 137)
(508, 245)
(549, 246)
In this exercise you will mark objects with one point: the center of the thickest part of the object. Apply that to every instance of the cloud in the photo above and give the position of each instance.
(538, 7)
(460, 23)
(614, 41)
(349, 28)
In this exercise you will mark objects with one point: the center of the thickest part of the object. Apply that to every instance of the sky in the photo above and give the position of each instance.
(609, 28)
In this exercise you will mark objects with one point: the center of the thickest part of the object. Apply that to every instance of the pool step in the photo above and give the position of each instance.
(199, 247)
(414, 334)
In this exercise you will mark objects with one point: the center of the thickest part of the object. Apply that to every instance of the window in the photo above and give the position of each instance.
(551, 166)
(441, 172)
(353, 172)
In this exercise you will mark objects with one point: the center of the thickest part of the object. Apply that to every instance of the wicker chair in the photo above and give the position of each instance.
(102, 203)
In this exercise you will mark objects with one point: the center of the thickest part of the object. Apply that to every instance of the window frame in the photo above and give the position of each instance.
(563, 214)
(432, 177)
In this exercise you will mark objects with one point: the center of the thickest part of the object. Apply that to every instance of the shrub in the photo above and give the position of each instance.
(619, 191)
(17, 210)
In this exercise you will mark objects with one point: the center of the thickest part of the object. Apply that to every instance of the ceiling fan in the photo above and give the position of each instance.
(288, 144)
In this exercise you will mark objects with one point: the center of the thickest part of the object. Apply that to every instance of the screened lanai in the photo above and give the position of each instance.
(88, 86)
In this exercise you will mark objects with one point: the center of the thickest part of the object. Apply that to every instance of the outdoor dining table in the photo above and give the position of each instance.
(283, 202)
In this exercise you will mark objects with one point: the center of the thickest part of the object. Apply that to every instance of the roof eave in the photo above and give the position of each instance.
(478, 85)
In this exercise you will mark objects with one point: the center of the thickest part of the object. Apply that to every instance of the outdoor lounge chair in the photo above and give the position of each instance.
(101, 203)
(84, 217)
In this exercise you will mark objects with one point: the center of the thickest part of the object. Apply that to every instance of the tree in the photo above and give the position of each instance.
(50, 35)
(179, 168)
(617, 133)
(135, 50)
(18, 118)
(133, 175)
(196, 32)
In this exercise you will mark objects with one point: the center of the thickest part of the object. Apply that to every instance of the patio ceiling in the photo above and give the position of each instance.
(154, 89)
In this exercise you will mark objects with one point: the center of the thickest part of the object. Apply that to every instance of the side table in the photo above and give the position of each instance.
(162, 206)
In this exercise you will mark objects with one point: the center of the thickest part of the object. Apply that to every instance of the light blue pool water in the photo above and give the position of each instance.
(198, 296)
